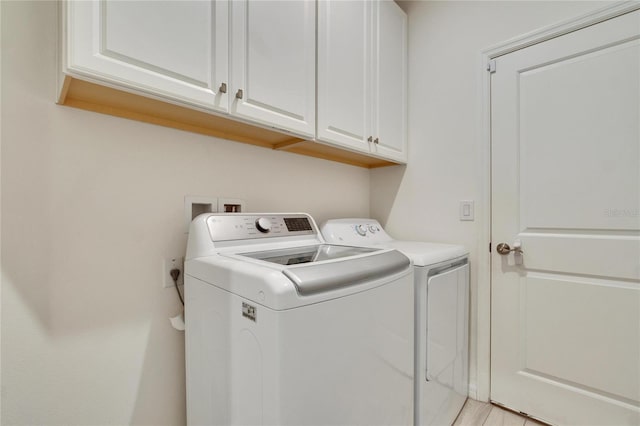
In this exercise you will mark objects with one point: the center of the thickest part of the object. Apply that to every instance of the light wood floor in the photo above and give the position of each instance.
(475, 413)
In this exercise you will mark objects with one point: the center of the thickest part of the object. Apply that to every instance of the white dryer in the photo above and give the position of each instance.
(441, 316)
(283, 329)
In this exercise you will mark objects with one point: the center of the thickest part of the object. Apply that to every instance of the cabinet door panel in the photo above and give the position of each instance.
(173, 49)
(273, 51)
(169, 52)
(343, 73)
(390, 85)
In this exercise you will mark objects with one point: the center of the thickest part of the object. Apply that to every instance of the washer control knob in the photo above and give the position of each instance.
(372, 229)
(263, 224)
(361, 230)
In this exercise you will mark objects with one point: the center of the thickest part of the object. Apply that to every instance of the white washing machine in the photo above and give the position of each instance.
(441, 316)
(283, 329)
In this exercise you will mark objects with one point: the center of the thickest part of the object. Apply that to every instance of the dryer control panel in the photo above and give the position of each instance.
(354, 231)
(229, 227)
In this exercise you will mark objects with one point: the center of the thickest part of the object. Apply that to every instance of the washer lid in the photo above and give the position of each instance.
(281, 287)
(307, 254)
(326, 276)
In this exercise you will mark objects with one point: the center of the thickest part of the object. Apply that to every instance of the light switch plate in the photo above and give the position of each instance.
(466, 210)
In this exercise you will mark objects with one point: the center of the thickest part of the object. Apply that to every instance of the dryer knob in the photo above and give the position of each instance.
(372, 229)
(361, 230)
(263, 225)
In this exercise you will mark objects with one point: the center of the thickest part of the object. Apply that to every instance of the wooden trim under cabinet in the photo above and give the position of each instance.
(107, 100)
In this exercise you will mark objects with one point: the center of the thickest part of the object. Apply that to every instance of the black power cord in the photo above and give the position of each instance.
(175, 273)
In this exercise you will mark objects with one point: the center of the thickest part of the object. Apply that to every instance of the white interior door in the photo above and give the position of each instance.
(565, 338)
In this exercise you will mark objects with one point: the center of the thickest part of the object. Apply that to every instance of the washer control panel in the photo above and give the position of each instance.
(234, 226)
(354, 231)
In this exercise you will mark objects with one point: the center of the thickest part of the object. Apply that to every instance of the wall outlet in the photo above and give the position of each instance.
(169, 264)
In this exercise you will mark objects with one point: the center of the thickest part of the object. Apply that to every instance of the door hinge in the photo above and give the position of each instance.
(491, 66)
(489, 247)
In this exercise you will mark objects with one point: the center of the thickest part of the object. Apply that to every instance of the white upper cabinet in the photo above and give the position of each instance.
(258, 71)
(273, 66)
(253, 59)
(389, 81)
(344, 63)
(171, 49)
(362, 71)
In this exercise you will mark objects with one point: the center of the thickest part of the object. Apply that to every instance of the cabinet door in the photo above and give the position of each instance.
(273, 63)
(344, 34)
(390, 81)
(170, 49)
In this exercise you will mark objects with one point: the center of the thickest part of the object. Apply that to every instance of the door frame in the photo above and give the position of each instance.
(482, 391)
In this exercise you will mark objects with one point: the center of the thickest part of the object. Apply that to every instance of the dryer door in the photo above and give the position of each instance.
(445, 384)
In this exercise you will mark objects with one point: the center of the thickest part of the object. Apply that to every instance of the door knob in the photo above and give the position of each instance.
(504, 249)
(223, 88)
(239, 94)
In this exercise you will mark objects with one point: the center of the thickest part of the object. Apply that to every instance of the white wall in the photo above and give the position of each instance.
(421, 201)
(91, 204)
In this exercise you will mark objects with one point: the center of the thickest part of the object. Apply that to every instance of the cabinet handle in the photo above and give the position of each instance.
(239, 94)
(376, 141)
(223, 88)
(370, 139)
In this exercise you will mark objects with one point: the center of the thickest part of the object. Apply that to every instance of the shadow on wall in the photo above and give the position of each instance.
(153, 377)
(385, 184)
